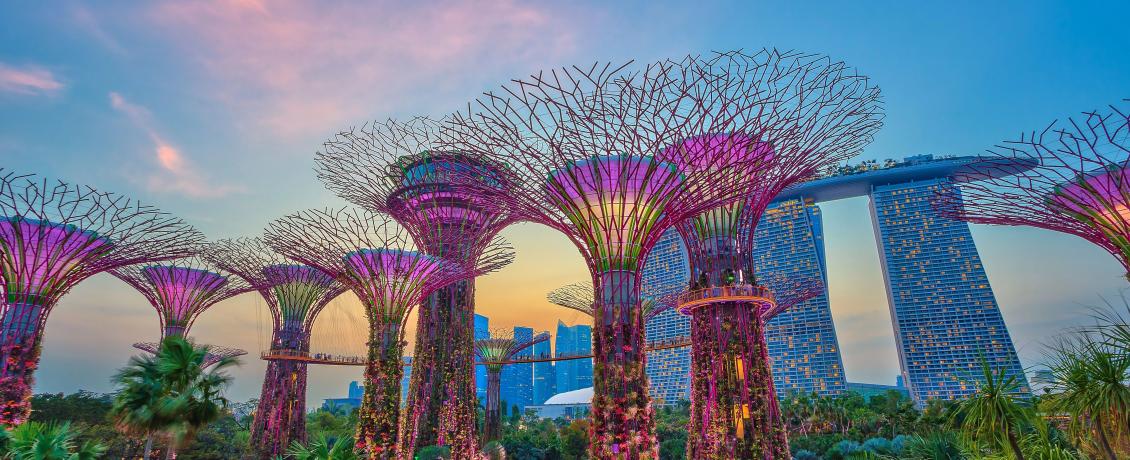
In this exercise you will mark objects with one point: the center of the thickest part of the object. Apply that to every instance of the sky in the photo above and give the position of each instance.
(212, 110)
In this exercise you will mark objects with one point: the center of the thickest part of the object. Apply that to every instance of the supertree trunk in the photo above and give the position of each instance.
(492, 426)
(379, 415)
(442, 401)
(734, 411)
(621, 409)
(281, 416)
(19, 351)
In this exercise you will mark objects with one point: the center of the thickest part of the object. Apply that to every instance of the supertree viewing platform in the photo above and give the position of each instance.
(295, 294)
(837, 111)
(54, 235)
(1071, 177)
(181, 290)
(578, 144)
(378, 261)
(395, 168)
(494, 353)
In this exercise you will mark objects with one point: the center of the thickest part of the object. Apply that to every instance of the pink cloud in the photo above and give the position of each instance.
(28, 80)
(174, 174)
(300, 68)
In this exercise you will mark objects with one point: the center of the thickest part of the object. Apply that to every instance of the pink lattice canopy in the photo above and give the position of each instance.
(296, 289)
(182, 292)
(293, 273)
(713, 150)
(426, 186)
(615, 200)
(38, 254)
(1099, 199)
(392, 273)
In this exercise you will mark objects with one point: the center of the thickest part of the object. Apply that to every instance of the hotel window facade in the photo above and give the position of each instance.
(943, 309)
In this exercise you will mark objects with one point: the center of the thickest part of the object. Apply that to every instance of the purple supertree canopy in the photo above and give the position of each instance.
(374, 257)
(54, 235)
(1070, 177)
(294, 293)
(181, 289)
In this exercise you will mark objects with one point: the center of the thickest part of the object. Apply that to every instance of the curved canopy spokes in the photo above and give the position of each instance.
(294, 292)
(182, 289)
(54, 235)
(375, 258)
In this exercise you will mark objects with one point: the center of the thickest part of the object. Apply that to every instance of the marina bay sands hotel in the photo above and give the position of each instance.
(944, 314)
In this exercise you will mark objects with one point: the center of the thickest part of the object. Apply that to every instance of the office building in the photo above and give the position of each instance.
(517, 380)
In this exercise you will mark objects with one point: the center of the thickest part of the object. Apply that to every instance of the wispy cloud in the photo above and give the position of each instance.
(299, 68)
(173, 173)
(28, 80)
(85, 20)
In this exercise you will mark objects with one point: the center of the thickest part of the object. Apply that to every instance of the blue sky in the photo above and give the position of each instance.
(212, 110)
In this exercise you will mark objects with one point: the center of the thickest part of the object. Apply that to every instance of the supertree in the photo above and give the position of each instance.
(820, 113)
(395, 168)
(1072, 177)
(579, 297)
(295, 294)
(378, 261)
(494, 353)
(53, 235)
(581, 144)
(180, 290)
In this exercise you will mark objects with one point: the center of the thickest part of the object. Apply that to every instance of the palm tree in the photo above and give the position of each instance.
(170, 393)
(47, 441)
(995, 413)
(1089, 383)
(323, 449)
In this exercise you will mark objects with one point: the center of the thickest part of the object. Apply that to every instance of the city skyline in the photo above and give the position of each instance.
(143, 97)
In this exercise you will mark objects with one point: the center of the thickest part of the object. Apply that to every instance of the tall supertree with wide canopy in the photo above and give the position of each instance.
(53, 235)
(817, 113)
(180, 290)
(1073, 177)
(395, 168)
(579, 145)
(494, 353)
(378, 261)
(295, 294)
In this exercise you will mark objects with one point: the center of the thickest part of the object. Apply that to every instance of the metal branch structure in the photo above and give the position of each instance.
(1071, 177)
(215, 353)
(377, 260)
(53, 235)
(494, 353)
(582, 146)
(396, 168)
(181, 289)
(819, 113)
(295, 294)
(579, 297)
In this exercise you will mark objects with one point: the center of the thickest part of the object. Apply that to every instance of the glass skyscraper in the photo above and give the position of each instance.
(517, 380)
(573, 374)
(945, 315)
(803, 348)
(545, 377)
(482, 331)
(667, 271)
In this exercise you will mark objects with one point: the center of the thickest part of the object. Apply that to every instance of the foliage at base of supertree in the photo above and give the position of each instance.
(444, 340)
(622, 415)
(378, 418)
(734, 405)
(17, 369)
(280, 418)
